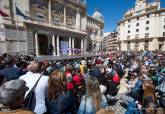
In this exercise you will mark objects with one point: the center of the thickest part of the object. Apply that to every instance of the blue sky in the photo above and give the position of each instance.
(112, 10)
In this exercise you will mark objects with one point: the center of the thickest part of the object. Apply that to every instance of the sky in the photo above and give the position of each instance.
(112, 10)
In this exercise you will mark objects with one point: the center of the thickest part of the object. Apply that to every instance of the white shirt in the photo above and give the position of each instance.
(30, 79)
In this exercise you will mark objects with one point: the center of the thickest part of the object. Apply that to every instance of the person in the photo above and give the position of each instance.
(93, 100)
(97, 71)
(105, 111)
(9, 72)
(50, 50)
(149, 98)
(31, 78)
(59, 100)
(11, 97)
(83, 64)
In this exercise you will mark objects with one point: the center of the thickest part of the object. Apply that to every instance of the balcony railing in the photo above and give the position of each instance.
(56, 25)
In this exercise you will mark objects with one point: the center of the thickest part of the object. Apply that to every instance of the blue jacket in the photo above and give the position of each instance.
(11, 73)
(89, 108)
(63, 104)
(132, 108)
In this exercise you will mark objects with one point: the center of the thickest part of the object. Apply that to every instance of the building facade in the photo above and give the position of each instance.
(110, 41)
(104, 40)
(43, 27)
(95, 30)
(142, 27)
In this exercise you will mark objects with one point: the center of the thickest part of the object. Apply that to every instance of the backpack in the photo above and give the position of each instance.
(116, 78)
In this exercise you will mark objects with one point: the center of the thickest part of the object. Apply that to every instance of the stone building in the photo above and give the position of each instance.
(110, 41)
(95, 26)
(43, 27)
(104, 41)
(142, 27)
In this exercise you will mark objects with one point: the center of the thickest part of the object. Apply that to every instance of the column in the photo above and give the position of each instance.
(50, 12)
(36, 44)
(85, 44)
(54, 45)
(78, 18)
(82, 44)
(64, 14)
(70, 45)
(58, 48)
(73, 45)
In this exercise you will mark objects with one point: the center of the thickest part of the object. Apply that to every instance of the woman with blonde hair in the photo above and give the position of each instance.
(59, 100)
(93, 101)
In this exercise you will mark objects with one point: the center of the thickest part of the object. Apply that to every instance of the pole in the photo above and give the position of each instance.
(17, 32)
(17, 35)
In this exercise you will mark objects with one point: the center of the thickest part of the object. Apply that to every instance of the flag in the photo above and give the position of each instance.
(3, 14)
(20, 13)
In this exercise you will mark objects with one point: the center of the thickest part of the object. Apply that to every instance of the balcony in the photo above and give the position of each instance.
(128, 15)
(151, 8)
(55, 25)
(78, 2)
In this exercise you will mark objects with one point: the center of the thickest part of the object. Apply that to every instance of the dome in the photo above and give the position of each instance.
(98, 16)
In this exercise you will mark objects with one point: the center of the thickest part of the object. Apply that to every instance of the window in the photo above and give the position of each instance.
(146, 45)
(128, 37)
(129, 31)
(137, 36)
(137, 30)
(164, 19)
(137, 18)
(136, 44)
(163, 33)
(146, 35)
(164, 26)
(148, 16)
(137, 24)
(129, 26)
(40, 16)
(128, 46)
(147, 28)
(147, 22)
(129, 21)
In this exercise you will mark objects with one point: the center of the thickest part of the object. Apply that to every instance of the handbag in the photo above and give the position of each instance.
(30, 99)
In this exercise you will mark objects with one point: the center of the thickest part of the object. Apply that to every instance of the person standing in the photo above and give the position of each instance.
(59, 100)
(31, 79)
(11, 97)
(93, 100)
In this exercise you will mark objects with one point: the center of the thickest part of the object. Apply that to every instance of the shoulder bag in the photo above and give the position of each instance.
(30, 99)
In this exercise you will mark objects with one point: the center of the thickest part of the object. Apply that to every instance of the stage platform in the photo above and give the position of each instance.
(64, 57)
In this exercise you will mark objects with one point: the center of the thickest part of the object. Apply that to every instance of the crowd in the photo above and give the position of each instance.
(115, 83)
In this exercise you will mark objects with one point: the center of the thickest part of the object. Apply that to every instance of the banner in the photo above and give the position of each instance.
(20, 13)
(64, 47)
(3, 14)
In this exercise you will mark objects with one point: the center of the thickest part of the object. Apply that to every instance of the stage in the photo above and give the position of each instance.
(64, 57)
